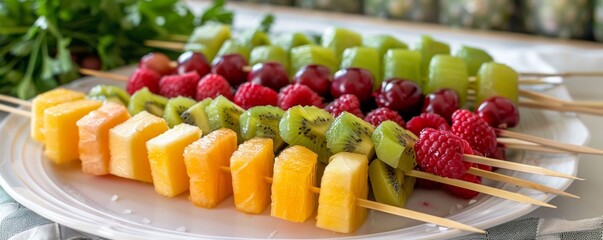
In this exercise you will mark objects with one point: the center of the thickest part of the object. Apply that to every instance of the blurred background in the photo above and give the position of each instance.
(579, 19)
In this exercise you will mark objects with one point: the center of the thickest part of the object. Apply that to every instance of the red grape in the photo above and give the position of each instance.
(231, 67)
(499, 112)
(400, 95)
(356, 81)
(193, 61)
(269, 74)
(157, 62)
(443, 102)
(316, 77)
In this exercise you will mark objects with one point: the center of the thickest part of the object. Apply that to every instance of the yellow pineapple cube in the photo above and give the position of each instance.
(203, 158)
(128, 146)
(61, 131)
(344, 180)
(44, 101)
(249, 166)
(166, 155)
(94, 136)
(294, 174)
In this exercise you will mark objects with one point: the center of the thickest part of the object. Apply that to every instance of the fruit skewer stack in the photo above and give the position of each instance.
(126, 140)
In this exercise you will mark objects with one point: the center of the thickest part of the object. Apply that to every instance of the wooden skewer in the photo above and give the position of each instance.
(563, 74)
(548, 142)
(558, 108)
(393, 210)
(15, 100)
(574, 105)
(101, 74)
(15, 110)
(178, 37)
(512, 143)
(478, 188)
(518, 181)
(516, 166)
(178, 46)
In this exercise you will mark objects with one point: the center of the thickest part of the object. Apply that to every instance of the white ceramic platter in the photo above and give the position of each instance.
(65, 195)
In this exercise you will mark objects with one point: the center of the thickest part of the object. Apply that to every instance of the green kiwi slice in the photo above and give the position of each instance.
(474, 57)
(145, 100)
(197, 116)
(394, 145)
(307, 126)
(222, 113)
(364, 57)
(349, 133)
(390, 185)
(109, 93)
(174, 108)
(262, 121)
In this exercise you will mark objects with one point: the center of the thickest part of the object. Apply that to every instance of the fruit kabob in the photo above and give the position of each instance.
(127, 158)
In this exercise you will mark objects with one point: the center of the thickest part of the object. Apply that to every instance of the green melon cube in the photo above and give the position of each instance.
(383, 43)
(364, 57)
(234, 47)
(474, 57)
(404, 64)
(269, 53)
(290, 40)
(339, 39)
(211, 37)
(312, 54)
(429, 47)
(253, 38)
(450, 72)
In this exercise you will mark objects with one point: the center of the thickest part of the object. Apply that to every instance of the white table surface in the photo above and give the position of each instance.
(587, 56)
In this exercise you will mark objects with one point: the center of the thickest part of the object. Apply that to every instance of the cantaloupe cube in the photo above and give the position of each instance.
(345, 179)
(250, 165)
(128, 146)
(61, 131)
(166, 155)
(294, 174)
(44, 101)
(94, 136)
(203, 158)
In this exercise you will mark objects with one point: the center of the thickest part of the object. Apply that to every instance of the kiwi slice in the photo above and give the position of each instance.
(349, 133)
(496, 79)
(307, 126)
(389, 185)
(364, 57)
(197, 116)
(222, 113)
(262, 121)
(109, 93)
(145, 100)
(446, 71)
(394, 145)
(474, 57)
(403, 64)
(174, 108)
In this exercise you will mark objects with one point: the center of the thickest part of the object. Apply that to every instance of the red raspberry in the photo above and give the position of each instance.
(426, 120)
(213, 85)
(179, 85)
(143, 77)
(481, 166)
(440, 152)
(298, 94)
(345, 103)
(380, 115)
(474, 130)
(462, 192)
(250, 95)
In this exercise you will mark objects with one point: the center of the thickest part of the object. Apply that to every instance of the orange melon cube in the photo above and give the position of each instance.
(94, 136)
(166, 155)
(47, 100)
(61, 131)
(294, 174)
(249, 166)
(128, 146)
(203, 158)
(345, 179)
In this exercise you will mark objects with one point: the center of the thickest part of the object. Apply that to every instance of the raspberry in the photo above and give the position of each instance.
(250, 95)
(213, 85)
(143, 77)
(462, 192)
(481, 166)
(474, 130)
(298, 94)
(426, 120)
(179, 85)
(380, 115)
(345, 103)
(500, 153)
(440, 152)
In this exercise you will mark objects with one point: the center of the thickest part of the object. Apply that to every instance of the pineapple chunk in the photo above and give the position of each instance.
(61, 131)
(94, 136)
(44, 101)
(203, 158)
(249, 166)
(128, 149)
(345, 179)
(294, 174)
(166, 155)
